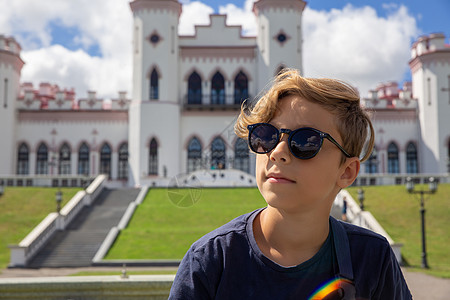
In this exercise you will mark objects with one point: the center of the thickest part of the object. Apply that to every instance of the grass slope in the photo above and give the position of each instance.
(161, 230)
(21, 209)
(399, 213)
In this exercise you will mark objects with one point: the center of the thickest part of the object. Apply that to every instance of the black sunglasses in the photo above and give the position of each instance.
(304, 143)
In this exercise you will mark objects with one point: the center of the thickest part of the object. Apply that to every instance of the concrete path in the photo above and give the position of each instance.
(426, 287)
(422, 286)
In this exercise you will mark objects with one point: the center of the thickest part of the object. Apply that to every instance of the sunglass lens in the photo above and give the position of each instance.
(263, 138)
(305, 143)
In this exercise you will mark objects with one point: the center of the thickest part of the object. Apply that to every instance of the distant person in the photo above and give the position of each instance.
(344, 209)
(308, 135)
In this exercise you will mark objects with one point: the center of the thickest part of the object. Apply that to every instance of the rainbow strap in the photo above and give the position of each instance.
(329, 287)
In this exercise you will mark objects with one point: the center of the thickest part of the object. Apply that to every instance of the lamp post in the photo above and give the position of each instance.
(361, 198)
(58, 199)
(432, 188)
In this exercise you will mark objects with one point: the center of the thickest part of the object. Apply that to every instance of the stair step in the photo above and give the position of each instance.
(77, 245)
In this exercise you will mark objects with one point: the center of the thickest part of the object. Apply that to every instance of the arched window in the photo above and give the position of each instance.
(194, 89)
(64, 159)
(241, 157)
(218, 154)
(153, 158)
(154, 85)
(123, 161)
(83, 160)
(218, 89)
(22, 160)
(372, 162)
(393, 166)
(105, 159)
(411, 159)
(194, 156)
(448, 158)
(240, 88)
(42, 160)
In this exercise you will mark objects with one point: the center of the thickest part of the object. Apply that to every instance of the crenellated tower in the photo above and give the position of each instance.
(430, 68)
(279, 36)
(10, 67)
(154, 114)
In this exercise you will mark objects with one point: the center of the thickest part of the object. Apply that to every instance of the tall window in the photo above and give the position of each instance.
(5, 103)
(240, 88)
(123, 161)
(393, 165)
(42, 160)
(411, 159)
(218, 154)
(64, 160)
(448, 158)
(153, 158)
(218, 89)
(154, 85)
(372, 162)
(22, 160)
(194, 159)
(83, 160)
(241, 157)
(105, 160)
(194, 89)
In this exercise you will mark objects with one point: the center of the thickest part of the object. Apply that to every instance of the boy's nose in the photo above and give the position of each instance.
(281, 152)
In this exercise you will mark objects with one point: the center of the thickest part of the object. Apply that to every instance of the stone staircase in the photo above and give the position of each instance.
(77, 245)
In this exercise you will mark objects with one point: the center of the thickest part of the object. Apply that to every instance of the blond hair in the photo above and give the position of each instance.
(339, 98)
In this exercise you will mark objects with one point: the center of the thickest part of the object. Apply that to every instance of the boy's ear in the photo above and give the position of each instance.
(350, 170)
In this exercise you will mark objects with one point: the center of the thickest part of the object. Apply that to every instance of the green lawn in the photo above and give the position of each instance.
(21, 209)
(399, 213)
(161, 230)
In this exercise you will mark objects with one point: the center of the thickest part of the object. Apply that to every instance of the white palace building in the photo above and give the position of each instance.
(187, 92)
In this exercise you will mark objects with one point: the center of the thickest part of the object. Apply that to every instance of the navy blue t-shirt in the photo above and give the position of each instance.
(227, 264)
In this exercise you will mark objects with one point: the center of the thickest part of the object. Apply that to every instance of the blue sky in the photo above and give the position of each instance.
(431, 16)
(86, 44)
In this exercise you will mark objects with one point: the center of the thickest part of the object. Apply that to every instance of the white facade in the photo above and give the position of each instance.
(186, 96)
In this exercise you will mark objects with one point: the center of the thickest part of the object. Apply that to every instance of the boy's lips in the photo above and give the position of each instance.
(278, 178)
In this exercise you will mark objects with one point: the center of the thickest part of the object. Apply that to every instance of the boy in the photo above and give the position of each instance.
(308, 135)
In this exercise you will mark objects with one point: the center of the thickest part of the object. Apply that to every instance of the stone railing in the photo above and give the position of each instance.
(46, 180)
(152, 287)
(114, 232)
(397, 179)
(22, 253)
(365, 219)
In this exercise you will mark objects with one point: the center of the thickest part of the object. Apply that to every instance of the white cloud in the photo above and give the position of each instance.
(353, 44)
(193, 13)
(356, 45)
(76, 69)
(241, 16)
(107, 26)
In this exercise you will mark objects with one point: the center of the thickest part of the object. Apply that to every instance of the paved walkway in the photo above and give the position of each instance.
(426, 287)
(422, 286)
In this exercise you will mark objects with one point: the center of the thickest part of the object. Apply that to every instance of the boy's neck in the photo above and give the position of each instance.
(289, 239)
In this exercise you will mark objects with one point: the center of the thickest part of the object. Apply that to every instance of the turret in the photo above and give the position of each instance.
(155, 49)
(430, 68)
(279, 36)
(10, 67)
(155, 103)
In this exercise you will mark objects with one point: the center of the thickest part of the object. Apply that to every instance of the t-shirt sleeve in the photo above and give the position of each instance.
(392, 284)
(191, 281)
